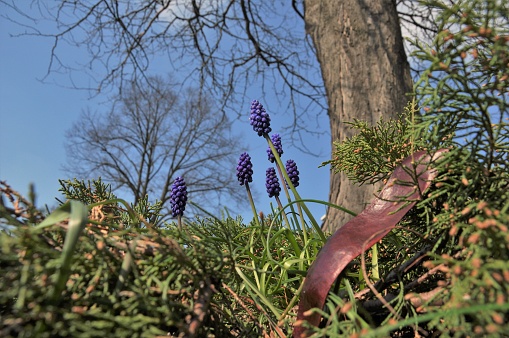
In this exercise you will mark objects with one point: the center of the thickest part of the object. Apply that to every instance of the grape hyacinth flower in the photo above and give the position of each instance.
(276, 140)
(293, 173)
(245, 176)
(178, 197)
(272, 183)
(245, 169)
(260, 119)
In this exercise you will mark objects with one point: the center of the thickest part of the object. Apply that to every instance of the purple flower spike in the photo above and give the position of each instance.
(272, 183)
(245, 169)
(293, 173)
(178, 197)
(260, 119)
(276, 140)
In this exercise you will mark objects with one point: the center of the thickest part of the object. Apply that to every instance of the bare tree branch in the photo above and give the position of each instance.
(150, 136)
(236, 44)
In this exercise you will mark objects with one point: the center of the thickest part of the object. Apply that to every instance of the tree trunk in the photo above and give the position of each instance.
(366, 76)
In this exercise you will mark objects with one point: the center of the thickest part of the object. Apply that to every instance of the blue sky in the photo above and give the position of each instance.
(35, 114)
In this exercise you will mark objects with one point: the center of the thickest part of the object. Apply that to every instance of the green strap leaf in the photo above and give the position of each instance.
(77, 222)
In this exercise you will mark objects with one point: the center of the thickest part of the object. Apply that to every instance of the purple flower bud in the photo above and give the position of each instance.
(293, 173)
(276, 140)
(245, 169)
(272, 183)
(260, 119)
(178, 197)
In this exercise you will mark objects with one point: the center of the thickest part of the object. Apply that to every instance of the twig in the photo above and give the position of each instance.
(378, 295)
(396, 273)
(418, 300)
(18, 211)
(440, 267)
(370, 285)
(200, 308)
(241, 303)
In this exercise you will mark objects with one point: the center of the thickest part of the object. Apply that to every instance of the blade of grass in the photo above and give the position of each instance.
(254, 289)
(77, 221)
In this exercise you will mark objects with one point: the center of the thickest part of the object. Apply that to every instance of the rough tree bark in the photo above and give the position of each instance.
(366, 76)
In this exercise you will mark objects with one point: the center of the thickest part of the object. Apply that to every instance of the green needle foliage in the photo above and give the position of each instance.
(121, 282)
(374, 152)
(214, 278)
(460, 285)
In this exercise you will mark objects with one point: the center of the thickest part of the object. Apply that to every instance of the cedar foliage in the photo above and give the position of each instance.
(461, 286)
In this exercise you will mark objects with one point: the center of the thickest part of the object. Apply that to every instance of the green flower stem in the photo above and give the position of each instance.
(251, 201)
(295, 193)
(179, 222)
(279, 169)
(289, 233)
(304, 234)
(374, 262)
(301, 215)
(253, 264)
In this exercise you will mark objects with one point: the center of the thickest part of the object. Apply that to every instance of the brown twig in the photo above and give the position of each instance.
(419, 300)
(244, 306)
(424, 277)
(22, 207)
(393, 276)
(200, 308)
(370, 285)
(378, 295)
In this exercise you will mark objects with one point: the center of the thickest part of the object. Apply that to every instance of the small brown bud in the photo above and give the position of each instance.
(474, 238)
(345, 308)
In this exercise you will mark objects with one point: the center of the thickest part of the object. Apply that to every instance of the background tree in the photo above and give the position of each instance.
(366, 75)
(151, 135)
(229, 46)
